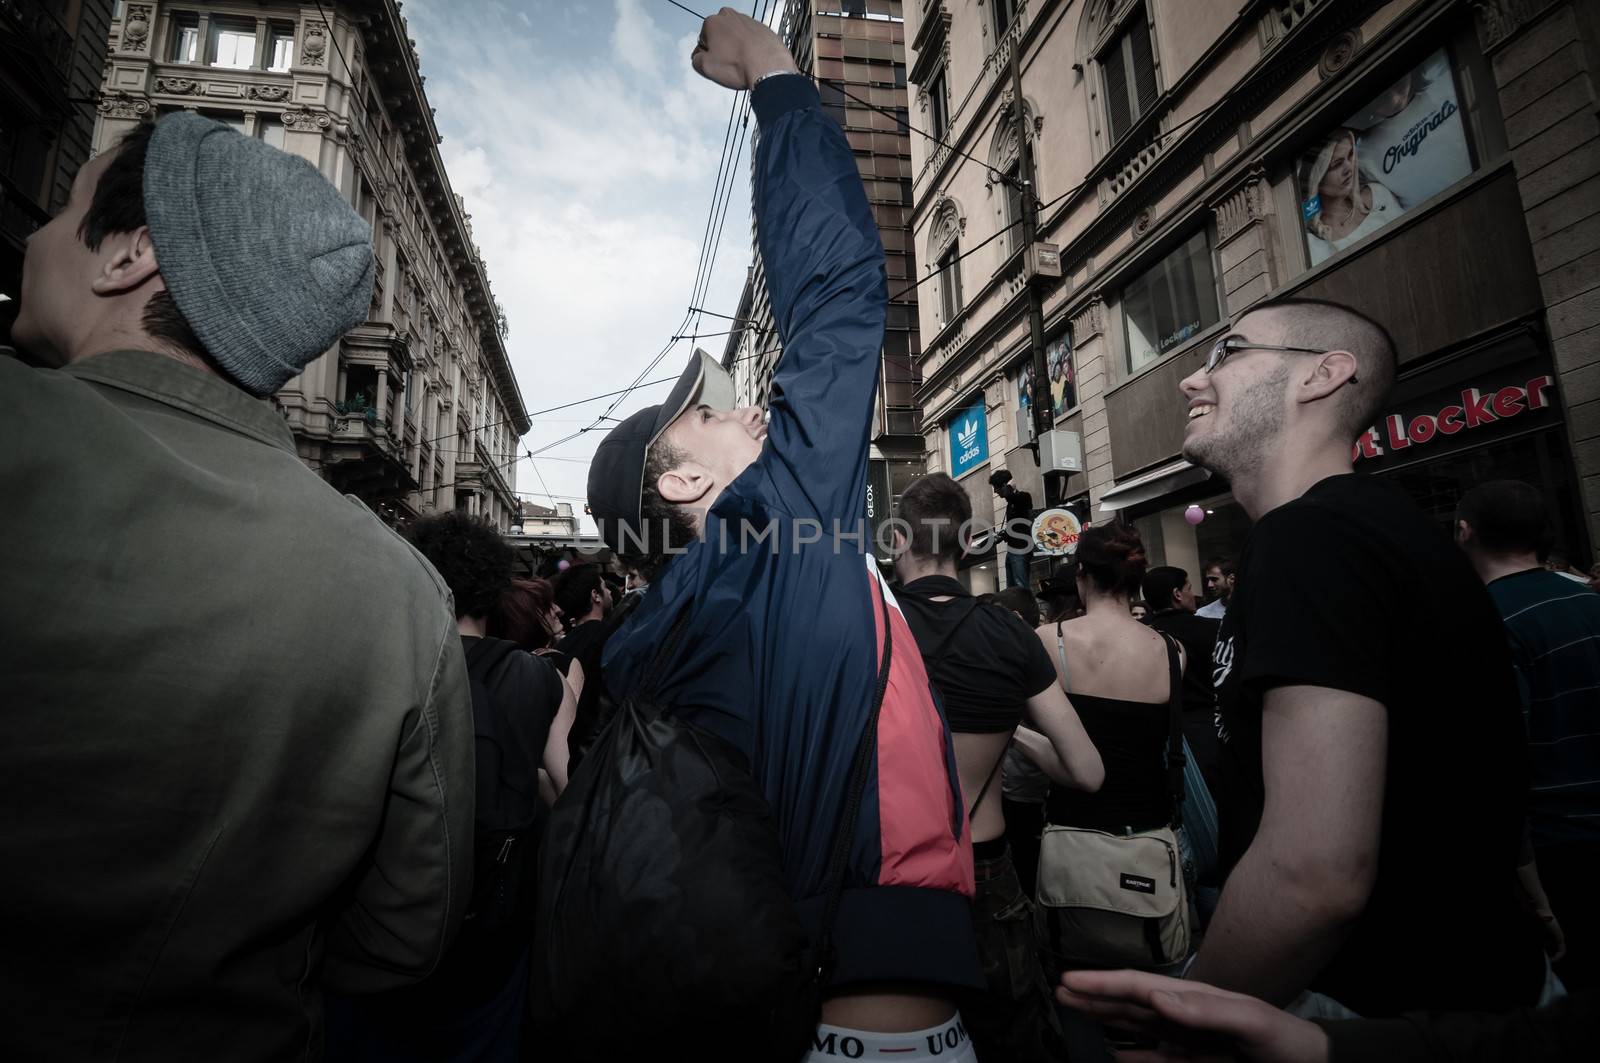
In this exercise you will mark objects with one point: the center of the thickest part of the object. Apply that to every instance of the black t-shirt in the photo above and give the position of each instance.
(1351, 587)
(1198, 636)
(586, 644)
(984, 661)
(1019, 506)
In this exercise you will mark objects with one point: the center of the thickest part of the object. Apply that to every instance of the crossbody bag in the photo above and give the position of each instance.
(1119, 900)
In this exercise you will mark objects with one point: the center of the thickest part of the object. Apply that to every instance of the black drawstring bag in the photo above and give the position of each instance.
(663, 922)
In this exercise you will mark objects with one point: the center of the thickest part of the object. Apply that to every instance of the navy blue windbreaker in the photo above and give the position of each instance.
(780, 653)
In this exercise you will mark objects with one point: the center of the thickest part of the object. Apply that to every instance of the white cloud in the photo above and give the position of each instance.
(585, 150)
(635, 39)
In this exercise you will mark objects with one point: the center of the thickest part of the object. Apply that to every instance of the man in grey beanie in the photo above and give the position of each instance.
(238, 756)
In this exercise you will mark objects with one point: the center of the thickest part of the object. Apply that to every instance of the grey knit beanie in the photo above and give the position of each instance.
(266, 261)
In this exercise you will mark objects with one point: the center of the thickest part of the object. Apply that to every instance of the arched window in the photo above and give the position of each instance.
(944, 251)
(1115, 43)
(1005, 157)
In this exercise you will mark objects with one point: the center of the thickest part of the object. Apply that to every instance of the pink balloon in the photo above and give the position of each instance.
(563, 565)
(1194, 514)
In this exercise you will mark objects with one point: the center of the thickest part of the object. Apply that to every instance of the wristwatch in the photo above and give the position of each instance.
(770, 74)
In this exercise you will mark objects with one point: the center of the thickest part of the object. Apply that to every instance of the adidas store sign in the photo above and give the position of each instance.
(969, 438)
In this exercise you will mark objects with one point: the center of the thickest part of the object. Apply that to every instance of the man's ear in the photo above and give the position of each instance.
(127, 260)
(684, 485)
(900, 541)
(1328, 374)
(1463, 532)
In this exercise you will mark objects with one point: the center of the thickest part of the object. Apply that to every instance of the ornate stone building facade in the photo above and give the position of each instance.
(51, 52)
(858, 49)
(417, 409)
(1432, 162)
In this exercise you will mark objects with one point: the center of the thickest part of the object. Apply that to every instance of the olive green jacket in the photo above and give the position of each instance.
(236, 766)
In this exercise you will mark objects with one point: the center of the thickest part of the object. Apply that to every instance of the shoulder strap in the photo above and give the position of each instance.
(973, 811)
(844, 838)
(1061, 655)
(1175, 758)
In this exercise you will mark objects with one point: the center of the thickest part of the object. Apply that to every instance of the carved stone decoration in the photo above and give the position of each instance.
(1499, 19)
(306, 120)
(948, 225)
(1248, 203)
(136, 28)
(314, 50)
(1142, 222)
(178, 86)
(121, 105)
(1090, 321)
(1138, 164)
(1337, 55)
(267, 93)
(1005, 148)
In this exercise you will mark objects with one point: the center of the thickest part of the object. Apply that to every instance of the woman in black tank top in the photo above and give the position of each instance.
(1115, 671)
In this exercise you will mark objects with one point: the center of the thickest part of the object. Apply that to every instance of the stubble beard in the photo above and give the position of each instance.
(1256, 418)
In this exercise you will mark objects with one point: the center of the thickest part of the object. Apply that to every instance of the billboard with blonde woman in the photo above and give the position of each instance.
(1407, 144)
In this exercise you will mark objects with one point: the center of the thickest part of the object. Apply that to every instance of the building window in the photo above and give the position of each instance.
(950, 281)
(1013, 218)
(280, 48)
(1005, 13)
(270, 129)
(1407, 144)
(233, 45)
(185, 39)
(1174, 300)
(1129, 67)
(938, 106)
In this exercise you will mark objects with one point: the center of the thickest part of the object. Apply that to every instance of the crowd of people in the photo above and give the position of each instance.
(740, 793)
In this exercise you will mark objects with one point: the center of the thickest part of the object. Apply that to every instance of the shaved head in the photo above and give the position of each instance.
(1326, 325)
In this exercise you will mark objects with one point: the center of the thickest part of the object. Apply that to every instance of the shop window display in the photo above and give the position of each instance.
(1063, 379)
(1407, 144)
(1170, 303)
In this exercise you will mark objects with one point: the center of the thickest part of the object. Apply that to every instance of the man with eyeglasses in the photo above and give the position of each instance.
(1374, 786)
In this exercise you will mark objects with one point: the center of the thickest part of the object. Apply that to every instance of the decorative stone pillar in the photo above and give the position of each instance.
(381, 401)
(261, 45)
(1091, 355)
(398, 429)
(1245, 242)
(424, 397)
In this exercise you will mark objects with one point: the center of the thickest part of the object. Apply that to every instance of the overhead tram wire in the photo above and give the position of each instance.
(727, 166)
(713, 246)
(722, 195)
(999, 175)
(695, 309)
(1198, 116)
(1042, 206)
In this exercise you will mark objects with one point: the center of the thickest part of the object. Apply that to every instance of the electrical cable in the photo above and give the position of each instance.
(832, 83)
(702, 278)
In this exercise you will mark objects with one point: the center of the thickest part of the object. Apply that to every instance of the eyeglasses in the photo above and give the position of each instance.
(1235, 344)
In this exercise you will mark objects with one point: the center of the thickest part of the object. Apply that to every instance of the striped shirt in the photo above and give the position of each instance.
(1554, 627)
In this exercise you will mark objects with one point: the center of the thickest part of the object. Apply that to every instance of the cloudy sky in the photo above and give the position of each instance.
(587, 151)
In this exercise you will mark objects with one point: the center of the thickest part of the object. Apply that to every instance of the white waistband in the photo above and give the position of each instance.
(948, 1043)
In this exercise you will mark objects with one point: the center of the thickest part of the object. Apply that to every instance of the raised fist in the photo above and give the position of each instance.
(734, 49)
